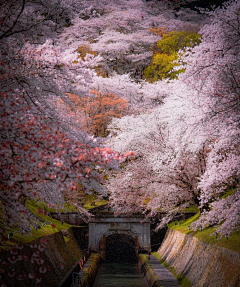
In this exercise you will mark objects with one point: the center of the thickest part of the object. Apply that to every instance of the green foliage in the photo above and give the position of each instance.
(162, 67)
(146, 201)
(205, 235)
(67, 207)
(87, 200)
(46, 230)
(165, 59)
(178, 40)
(229, 191)
(191, 208)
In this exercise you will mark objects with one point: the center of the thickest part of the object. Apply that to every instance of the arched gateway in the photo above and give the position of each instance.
(119, 235)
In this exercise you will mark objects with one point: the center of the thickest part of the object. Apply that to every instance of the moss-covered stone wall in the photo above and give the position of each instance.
(202, 263)
(44, 262)
(90, 270)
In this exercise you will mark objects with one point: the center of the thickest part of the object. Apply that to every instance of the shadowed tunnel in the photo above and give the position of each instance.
(120, 248)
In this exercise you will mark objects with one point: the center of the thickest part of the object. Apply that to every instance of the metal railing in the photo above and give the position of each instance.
(77, 276)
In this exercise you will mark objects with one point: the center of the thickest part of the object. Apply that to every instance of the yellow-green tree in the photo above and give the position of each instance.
(165, 59)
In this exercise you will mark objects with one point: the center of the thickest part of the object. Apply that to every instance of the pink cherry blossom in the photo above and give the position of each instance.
(31, 275)
(42, 269)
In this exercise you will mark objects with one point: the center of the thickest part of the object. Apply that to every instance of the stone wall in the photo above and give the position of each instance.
(73, 218)
(90, 270)
(202, 263)
(46, 260)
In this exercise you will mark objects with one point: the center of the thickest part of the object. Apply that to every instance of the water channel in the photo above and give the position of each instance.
(120, 268)
(112, 274)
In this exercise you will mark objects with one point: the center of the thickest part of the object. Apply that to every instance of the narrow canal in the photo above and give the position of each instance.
(120, 268)
(119, 275)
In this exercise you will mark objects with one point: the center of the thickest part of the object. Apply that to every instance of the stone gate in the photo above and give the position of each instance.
(133, 230)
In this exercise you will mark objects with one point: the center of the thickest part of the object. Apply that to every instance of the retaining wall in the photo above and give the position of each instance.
(44, 262)
(202, 263)
(90, 270)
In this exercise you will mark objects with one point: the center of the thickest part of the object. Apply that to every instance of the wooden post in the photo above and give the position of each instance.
(102, 247)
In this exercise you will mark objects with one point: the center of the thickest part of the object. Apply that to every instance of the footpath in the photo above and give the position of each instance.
(165, 277)
(156, 274)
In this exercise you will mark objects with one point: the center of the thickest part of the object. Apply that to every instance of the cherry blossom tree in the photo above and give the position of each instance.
(196, 130)
(216, 77)
(140, 96)
(98, 110)
(119, 30)
(44, 155)
(42, 160)
(184, 134)
(220, 183)
(180, 142)
(172, 170)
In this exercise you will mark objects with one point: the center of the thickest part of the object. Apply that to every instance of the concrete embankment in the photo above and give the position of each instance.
(47, 260)
(148, 272)
(202, 263)
(83, 276)
(155, 273)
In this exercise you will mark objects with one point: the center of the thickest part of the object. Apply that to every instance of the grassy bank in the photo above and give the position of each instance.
(48, 226)
(205, 235)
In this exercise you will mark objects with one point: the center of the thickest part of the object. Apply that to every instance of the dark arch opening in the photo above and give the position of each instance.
(120, 248)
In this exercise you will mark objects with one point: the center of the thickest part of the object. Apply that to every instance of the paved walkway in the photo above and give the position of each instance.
(165, 277)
